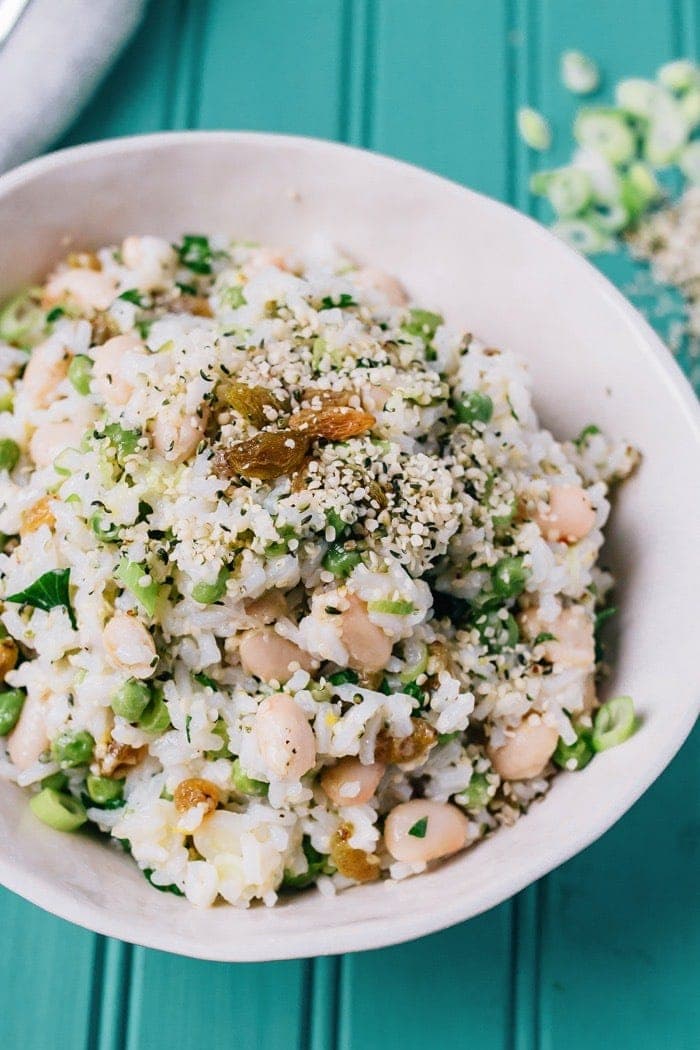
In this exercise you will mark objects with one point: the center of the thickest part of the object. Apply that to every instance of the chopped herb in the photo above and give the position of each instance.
(513, 413)
(544, 636)
(414, 690)
(205, 680)
(341, 677)
(171, 888)
(133, 295)
(234, 297)
(317, 864)
(587, 432)
(419, 828)
(48, 592)
(601, 618)
(54, 314)
(344, 300)
(188, 722)
(195, 253)
(186, 289)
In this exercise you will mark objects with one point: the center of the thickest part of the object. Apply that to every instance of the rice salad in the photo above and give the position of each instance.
(294, 588)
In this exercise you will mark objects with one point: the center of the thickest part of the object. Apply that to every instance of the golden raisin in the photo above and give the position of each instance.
(390, 750)
(191, 792)
(104, 327)
(114, 759)
(8, 656)
(191, 304)
(267, 456)
(249, 401)
(326, 398)
(83, 261)
(353, 863)
(37, 515)
(336, 422)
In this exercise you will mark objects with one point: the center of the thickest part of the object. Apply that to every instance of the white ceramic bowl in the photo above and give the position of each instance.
(592, 359)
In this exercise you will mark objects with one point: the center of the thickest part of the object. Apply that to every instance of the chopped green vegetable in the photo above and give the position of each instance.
(170, 888)
(106, 793)
(105, 531)
(587, 432)
(474, 407)
(340, 561)
(569, 190)
(57, 781)
(136, 578)
(155, 718)
(125, 442)
(399, 607)
(22, 321)
(607, 131)
(414, 690)
(133, 295)
(585, 236)
(131, 700)
(47, 592)
(689, 162)
(60, 811)
(55, 314)
(208, 593)
(419, 829)
(73, 749)
(535, 130)
(423, 323)
(244, 784)
(342, 302)
(336, 522)
(233, 297)
(195, 253)
(9, 454)
(343, 677)
(579, 73)
(477, 792)
(614, 723)
(679, 76)
(80, 373)
(204, 679)
(11, 703)
(576, 755)
(509, 577)
(318, 864)
(495, 632)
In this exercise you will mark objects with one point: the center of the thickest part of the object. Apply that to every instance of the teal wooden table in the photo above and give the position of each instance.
(606, 950)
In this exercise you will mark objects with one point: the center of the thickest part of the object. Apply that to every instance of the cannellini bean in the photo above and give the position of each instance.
(269, 607)
(270, 657)
(88, 289)
(378, 281)
(446, 830)
(369, 648)
(129, 646)
(526, 753)
(110, 377)
(175, 435)
(573, 644)
(285, 739)
(569, 516)
(46, 369)
(29, 737)
(349, 783)
(153, 258)
(51, 438)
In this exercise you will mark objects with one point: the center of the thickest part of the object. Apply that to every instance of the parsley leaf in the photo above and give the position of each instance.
(341, 677)
(133, 295)
(48, 592)
(172, 888)
(53, 315)
(587, 432)
(205, 680)
(195, 253)
(188, 723)
(419, 828)
(344, 300)
(545, 636)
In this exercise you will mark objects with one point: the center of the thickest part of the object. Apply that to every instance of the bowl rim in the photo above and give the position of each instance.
(353, 936)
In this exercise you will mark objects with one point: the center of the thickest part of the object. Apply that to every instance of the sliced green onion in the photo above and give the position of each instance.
(11, 703)
(612, 217)
(340, 561)
(606, 131)
(131, 700)
(336, 522)
(60, 811)
(582, 235)
(418, 665)
(614, 723)
(73, 749)
(423, 323)
(638, 96)
(534, 128)
(244, 784)
(22, 321)
(474, 407)
(570, 191)
(9, 454)
(80, 373)
(57, 781)
(576, 755)
(640, 189)
(126, 442)
(477, 792)
(680, 75)
(579, 73)
(342, 677)
(106, 531)
(131, 574)
(400, 607)
(208, 593)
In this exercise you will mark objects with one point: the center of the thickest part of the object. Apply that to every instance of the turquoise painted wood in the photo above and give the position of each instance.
(606, 950)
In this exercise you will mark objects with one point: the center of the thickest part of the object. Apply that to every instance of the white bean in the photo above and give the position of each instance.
(51, 438)
(285, 739)
(369, 648)
(175, 435)
(110, 378)
(573, 644)
(569, 516)
(46, 369)
(445, 830)
(270, 657)
(526, 753)
(269, 607)
(129, 646)
(350, 783)
(88, 289)
(29, 737)
(153, 259)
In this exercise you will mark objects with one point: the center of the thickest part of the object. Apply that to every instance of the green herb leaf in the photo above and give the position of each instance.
(48, 592)
(133, 295)
(195, 253)
(172, 888)
(343, 302)
(205, 680)
(342, 677)
(587, 432)
(419, 828)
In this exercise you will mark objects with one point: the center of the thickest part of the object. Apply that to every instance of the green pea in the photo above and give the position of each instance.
(155, 718)
(340, 561)
(509, 577)
(207, 593)
(474, 408)
(11, 703)
(614, 723)
(244, 784)
(60, 811)
(80, 373)
(106, 531)
(9, 454)
(102, 790)
(495, 632)
(56, 781)
(576, 755)
(73, 749)
(131, 700)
